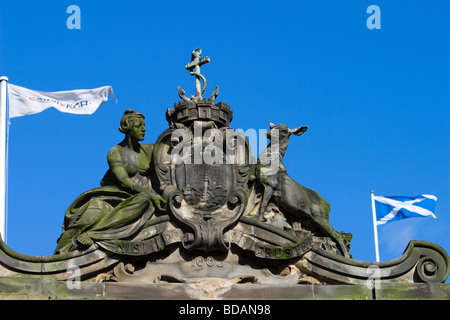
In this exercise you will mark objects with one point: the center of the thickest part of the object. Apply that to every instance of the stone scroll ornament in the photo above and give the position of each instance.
(196, 205)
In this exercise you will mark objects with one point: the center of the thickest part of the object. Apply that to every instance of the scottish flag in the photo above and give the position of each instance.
(390, 209)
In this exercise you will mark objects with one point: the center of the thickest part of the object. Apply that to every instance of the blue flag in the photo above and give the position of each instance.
(396, 208)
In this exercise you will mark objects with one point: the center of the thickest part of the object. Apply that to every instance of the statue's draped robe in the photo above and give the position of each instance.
(104, 213)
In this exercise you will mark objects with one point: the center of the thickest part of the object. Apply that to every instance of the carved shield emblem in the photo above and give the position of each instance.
(203, 172)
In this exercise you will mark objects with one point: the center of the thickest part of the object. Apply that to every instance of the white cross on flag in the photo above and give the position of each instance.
(396, 208)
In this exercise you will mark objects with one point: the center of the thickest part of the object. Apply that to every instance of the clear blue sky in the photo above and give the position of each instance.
(376, 101)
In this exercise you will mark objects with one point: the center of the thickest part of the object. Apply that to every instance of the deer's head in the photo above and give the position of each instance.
(282, 132)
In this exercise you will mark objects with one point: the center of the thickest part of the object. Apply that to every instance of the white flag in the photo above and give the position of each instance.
(23, 101)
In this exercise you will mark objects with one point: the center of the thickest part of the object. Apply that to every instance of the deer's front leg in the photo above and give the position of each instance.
(267, 195)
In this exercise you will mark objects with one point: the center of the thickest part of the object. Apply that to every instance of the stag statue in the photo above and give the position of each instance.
(294, 198)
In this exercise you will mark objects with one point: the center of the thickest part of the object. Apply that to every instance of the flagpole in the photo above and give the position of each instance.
(375, 230)
(3, 116)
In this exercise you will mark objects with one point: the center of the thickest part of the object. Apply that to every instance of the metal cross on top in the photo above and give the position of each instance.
(194, 68)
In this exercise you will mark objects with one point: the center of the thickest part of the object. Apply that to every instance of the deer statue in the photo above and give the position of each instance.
(293, 197)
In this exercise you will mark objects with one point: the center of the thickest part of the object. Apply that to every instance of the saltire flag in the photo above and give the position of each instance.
(23, 101)
(389, 209)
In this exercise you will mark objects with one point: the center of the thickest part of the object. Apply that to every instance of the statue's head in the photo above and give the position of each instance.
(133, 122)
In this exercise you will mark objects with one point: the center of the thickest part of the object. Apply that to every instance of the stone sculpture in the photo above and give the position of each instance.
(125, 201)
(291, 196)
(195, 205)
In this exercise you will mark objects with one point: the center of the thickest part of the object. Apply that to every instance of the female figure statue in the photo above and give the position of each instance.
(124, 202)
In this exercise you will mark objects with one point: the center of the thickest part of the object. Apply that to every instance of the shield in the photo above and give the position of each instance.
(203, 173)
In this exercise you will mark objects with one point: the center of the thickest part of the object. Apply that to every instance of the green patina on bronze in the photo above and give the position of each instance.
(125, 202)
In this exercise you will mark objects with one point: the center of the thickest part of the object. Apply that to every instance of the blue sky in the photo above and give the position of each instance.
(376, 101)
